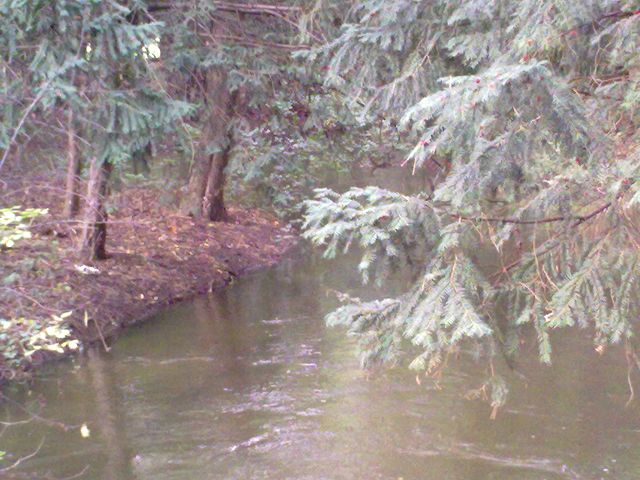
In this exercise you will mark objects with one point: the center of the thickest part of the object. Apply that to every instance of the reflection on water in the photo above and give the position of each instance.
(248, 383)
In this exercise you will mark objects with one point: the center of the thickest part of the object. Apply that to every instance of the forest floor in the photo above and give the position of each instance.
(157, 257)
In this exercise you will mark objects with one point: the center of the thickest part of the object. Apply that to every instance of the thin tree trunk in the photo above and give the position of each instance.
(74, 169)
(140, 160)
(94, 231)
(205, 192)
(192, 203)
(213, 200)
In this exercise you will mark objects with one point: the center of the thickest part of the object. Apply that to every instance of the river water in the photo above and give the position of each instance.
(248, 383)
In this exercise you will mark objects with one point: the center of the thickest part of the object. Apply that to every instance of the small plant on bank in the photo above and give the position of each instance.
(23, 340)
(14, 224)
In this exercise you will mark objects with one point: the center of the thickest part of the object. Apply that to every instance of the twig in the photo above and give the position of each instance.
(77, 475)
(255, 43)
(30, 298)
(580, 220)
(23, 459)
(34, 416)
(26, 113)
(255, 8)
(104, 343)
(562, 218)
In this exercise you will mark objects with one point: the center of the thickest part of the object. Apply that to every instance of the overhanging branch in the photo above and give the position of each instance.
(249, 8)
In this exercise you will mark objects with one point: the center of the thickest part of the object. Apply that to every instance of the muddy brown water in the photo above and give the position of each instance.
(248, 383)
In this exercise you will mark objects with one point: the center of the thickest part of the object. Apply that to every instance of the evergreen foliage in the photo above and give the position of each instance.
(309, 137)
(89, 56)
(525, 111)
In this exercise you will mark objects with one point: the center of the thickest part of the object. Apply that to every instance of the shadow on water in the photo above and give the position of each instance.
(248, 383)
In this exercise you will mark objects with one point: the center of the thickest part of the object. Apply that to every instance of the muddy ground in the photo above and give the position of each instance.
(157, 257)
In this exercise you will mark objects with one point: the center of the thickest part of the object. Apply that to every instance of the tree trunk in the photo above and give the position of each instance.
(94, 231)
(192, 204)
(140, 159)
(74, 169)
(205, 192)
(213, 200)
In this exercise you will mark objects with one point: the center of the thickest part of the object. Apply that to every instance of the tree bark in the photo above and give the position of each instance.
(74, 169)
(94, 232)
(192, 204)
(205, 192)
(213, 199)
(140, 159)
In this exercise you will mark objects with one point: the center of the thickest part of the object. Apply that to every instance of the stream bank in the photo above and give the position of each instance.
(157, 257)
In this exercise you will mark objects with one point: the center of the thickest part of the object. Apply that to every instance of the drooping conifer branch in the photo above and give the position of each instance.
(485, 87)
